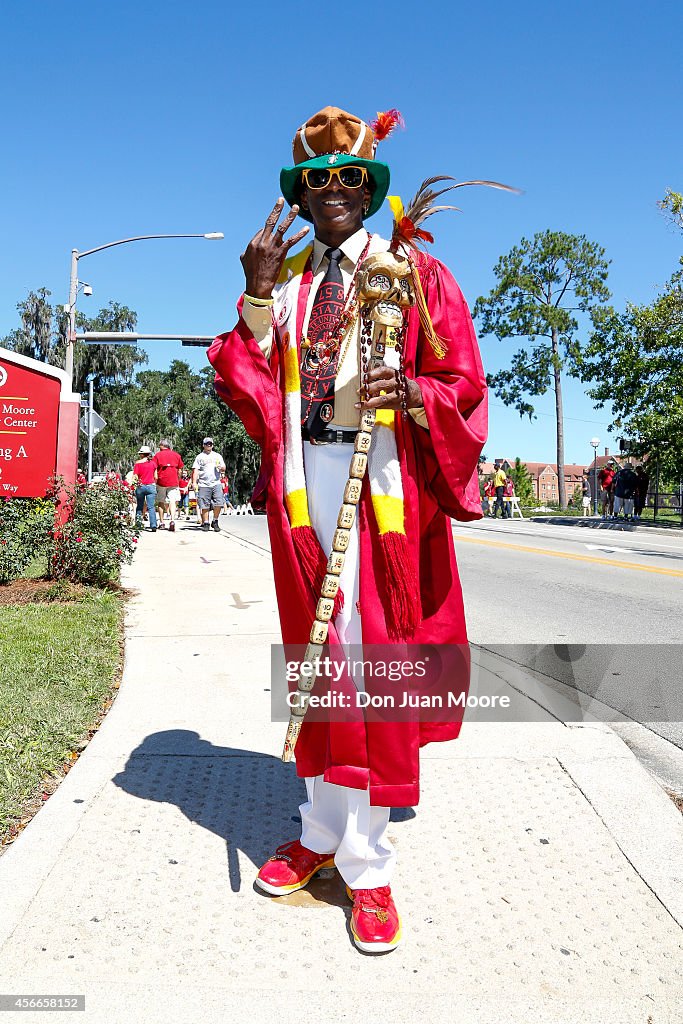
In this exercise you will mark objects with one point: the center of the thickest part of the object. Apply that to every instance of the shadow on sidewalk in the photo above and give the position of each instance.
(250, 800)
(246, 798)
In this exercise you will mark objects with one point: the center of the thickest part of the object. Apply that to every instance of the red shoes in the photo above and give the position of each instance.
(375, 924)
(292, 868)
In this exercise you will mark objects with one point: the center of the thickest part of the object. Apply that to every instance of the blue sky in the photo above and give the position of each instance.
(134, 118)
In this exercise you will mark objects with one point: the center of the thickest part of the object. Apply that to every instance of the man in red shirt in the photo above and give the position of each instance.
(606, 478)
(168, 464)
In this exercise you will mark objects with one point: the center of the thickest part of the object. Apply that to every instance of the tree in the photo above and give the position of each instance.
(542, 284)
(523, 481)
(105, 364)
(43, 334)
(36, 337)
(635, 362)
(672, 207)
(179, 405)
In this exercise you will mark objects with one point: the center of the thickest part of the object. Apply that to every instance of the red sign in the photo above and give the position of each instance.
(31, 401)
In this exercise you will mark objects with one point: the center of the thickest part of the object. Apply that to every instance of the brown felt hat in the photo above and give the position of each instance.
(334, 137)
(332, 130)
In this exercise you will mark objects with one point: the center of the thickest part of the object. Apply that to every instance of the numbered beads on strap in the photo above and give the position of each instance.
(346, 517)
(362, 442)
(335, 563)
(314, 651)
(340, 541)
(323, 612)
(352, 492)
(329, 589)
(367, 420)
(359, 464)
(318, 632)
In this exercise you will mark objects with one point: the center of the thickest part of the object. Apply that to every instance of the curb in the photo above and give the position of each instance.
(610, 525)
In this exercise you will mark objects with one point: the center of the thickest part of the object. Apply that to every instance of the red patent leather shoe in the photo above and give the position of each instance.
(375, 924)
(291, 868)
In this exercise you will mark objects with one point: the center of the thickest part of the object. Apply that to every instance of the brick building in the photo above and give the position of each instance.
(544, 476)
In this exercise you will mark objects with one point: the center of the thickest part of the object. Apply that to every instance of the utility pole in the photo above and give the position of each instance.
(71, 337)
(90, 427)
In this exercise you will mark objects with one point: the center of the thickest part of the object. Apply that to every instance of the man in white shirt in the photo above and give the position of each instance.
(206, 481)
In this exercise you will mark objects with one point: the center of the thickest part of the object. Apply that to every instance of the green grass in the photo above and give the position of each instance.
(58, 663)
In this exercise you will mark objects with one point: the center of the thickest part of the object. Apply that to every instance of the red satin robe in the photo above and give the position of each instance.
(439, 471)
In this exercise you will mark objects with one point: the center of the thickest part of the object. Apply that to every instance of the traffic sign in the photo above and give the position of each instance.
(97, 423)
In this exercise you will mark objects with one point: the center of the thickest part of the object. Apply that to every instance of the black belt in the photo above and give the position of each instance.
(330, 436)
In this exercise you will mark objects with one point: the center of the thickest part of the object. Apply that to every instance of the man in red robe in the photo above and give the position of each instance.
(356, 770)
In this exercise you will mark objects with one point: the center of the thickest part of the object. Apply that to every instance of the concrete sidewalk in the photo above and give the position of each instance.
(540, 879)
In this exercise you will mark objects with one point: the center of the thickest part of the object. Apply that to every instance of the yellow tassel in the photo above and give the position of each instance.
(439, 346)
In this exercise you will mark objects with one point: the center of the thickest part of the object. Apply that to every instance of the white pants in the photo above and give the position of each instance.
(339, 820)
(336, 819)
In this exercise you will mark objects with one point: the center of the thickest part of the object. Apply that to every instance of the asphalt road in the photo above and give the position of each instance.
(528, 582)
(597, 609)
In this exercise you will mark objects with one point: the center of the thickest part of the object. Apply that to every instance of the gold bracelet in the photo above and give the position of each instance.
(258, 302)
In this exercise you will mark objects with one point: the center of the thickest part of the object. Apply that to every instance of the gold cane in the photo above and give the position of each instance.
(384, 290)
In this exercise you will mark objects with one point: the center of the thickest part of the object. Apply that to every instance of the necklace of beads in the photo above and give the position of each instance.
(343, 325)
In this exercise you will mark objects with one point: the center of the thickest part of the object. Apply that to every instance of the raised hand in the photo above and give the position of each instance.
(263, 258)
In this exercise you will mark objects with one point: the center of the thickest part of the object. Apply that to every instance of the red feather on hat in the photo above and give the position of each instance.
(385, 122)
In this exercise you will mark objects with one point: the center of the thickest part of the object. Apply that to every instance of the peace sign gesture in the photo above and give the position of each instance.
(263, 258)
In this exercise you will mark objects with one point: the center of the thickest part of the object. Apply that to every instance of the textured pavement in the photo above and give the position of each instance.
(540, 879)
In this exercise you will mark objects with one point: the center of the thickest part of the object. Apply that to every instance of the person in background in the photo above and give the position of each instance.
(206, 480)
(168, 464)
(184, 488)
(499, 478)
(586, 494)
(606, 479)
(81, 480)
(642, 488)
(145, 477)
(625, 485)
(489, 494)
(225, 484)
(508, 495)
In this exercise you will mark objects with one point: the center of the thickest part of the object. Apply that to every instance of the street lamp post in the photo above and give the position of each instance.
(73, 285)
(595, 441)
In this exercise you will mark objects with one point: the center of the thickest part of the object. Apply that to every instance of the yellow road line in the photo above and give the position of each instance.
(574, 558)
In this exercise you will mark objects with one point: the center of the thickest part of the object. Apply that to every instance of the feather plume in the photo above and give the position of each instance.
(407, 232)
(385, 122)
(422, 205)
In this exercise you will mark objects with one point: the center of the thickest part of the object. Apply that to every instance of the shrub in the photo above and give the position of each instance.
(97, 537)
(25, 529)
